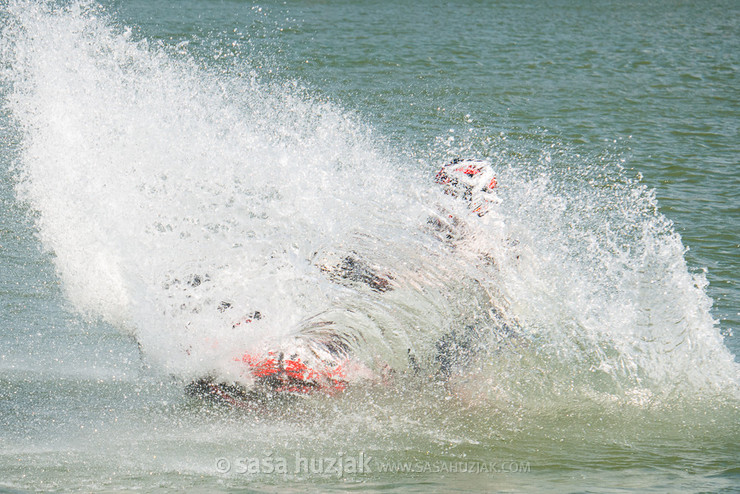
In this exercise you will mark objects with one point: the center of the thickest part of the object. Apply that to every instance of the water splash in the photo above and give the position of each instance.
(178, 200)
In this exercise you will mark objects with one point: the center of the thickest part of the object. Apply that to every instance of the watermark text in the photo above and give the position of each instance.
(345, 464)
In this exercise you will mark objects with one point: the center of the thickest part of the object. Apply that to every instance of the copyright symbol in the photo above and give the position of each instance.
(223, 465)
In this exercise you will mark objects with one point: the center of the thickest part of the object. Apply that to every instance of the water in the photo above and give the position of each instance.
(147, 144)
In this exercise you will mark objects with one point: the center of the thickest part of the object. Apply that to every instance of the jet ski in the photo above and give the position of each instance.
(274, 374)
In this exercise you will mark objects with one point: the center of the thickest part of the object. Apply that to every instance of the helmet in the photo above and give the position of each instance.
(471, 180)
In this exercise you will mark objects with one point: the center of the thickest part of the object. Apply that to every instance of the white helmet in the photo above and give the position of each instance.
(472, 180)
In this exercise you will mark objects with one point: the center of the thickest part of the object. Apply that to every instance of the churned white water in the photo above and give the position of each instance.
(177, 198)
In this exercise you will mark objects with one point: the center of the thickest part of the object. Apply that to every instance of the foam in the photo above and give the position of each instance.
(168, 191)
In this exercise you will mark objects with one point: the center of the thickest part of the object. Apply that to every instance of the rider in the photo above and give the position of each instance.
(327, 360)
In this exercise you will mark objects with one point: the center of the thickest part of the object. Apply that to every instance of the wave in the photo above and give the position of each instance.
(180, 199)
